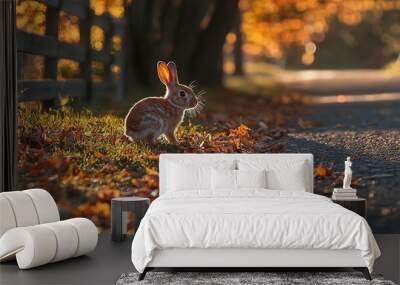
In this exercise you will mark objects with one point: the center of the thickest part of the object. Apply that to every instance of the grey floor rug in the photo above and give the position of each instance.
(233, 278)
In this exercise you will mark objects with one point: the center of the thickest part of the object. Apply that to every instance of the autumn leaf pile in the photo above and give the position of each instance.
(84, 160)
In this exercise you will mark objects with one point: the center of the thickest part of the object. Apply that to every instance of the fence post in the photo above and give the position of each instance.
(50, 63)
(86, 66)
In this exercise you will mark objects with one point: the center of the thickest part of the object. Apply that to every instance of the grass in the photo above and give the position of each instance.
(91, 140)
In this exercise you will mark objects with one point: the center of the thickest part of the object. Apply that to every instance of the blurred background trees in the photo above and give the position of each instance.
(210, 38)
(325, 34)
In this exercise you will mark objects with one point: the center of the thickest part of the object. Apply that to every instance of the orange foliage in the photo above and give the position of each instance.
(68, 28)
(242, 131)
(114, 7)
(272, 26)
(322, 171)
(31, 16)
(96, 38)
(116, 44)
(67, 69)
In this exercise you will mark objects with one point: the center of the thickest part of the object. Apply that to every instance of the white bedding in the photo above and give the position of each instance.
(252, 218)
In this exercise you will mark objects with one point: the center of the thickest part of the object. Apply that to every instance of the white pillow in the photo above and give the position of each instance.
(228, 179)
(187, 175)
(251, 178)
(223, 179)
(181, 177)
(281, 175)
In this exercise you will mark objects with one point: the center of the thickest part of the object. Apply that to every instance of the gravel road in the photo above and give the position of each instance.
(369, 132)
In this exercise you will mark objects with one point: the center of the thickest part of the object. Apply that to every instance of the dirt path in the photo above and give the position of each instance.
(320, 82)
(370, 134)
(363, 124)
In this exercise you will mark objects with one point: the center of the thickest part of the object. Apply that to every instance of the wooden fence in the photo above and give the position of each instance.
(52, 49)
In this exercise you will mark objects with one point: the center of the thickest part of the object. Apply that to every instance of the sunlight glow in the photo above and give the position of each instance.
(342, 99)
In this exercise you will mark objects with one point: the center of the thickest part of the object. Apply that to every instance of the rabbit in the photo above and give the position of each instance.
(152, 117)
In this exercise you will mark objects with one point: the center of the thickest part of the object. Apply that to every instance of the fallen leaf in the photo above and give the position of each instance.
(322, 171)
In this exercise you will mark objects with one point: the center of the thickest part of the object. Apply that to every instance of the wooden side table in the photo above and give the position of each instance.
(358, 205)
(119, 214)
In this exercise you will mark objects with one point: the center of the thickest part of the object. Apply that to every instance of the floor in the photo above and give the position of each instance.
(103, 266)
(110, 260)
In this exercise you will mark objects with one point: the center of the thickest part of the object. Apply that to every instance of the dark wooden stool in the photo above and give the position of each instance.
(119, 214)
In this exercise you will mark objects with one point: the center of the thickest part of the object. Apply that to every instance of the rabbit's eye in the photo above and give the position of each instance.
(182, 93)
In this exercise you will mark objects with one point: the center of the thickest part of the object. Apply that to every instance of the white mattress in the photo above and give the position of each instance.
(253, 219)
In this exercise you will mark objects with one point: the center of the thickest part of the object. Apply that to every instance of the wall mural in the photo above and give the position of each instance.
(254, 77)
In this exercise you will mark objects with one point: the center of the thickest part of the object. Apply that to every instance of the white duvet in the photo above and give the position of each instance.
(250, 219)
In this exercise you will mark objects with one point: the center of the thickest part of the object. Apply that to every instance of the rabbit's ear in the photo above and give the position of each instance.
(163, 73)
(173, 71)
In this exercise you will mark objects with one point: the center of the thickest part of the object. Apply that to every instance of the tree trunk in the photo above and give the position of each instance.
(190, 32)
(146, 37)
(193, 14)
(237, 49)
(207, 59)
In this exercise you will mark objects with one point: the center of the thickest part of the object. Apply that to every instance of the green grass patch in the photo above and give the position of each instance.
(91, 140)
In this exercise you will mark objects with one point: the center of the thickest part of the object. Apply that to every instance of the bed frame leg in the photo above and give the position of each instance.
(143, 274)
(364, 271)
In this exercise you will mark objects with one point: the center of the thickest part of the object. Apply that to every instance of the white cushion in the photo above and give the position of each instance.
(223, 179)
(287, 175)
(40, 244)
(189, 177)
(7, 218)
(227, 179)
(87, 235)
(259, 161)
(184, 175)
(23, 208)
(45, 205)
(67, 240)
(251, 178)
(26, 208)
(34, 244)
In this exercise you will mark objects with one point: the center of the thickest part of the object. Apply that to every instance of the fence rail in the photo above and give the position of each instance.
(52, 49)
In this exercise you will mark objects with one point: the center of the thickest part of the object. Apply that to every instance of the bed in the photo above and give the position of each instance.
(247, 210)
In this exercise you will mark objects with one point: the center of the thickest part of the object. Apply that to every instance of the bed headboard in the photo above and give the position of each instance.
(275, 157)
